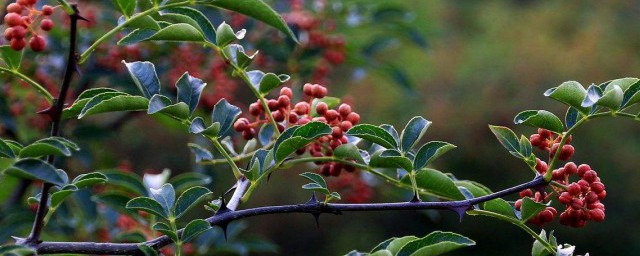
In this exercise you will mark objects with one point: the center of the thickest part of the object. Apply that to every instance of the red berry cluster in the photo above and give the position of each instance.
(581, 198)
(352, 187)
(546, 140)
(340, 120)
(20, 19)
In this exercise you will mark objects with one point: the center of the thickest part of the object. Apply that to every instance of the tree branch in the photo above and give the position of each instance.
(313, 207)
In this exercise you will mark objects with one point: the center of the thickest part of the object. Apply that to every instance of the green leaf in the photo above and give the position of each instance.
(382, 245)
(127, 180)
(126, 7)
(225, 114)
(162, 104)
(58, 197)
(571, 93)
(631, 87)
(437, 183)
(145, 77)
(540, 119)
(36, 169)
(149, 205)
(297, 138)
(66, 6)
(390, 158)
(538, 249)
(11, 57)
(166, 196)
(85, 97)
(236, 54)
(145, 22)
(396, 245)
(114, 104)
(526, 149)
(317, 184)
(181, 32)
(530, 208)
(114, 200)
(373, 134)
(5, 150)
(193, 229)
(166, 230)
(49, 146)
(266, 82)
(189, 90)
(203, 22)
(612, 97)
(349, 152)
(259, 164)
(256, 9)
(190, 198)
(201, 153)
(137, 35)
(335, 195)
(197, 126)
(331, 102)
(89, 179)
(436, 243)
(16, 250)
(187, 180)
(226, 35)
(476, 189)
(508, 139)
(429, 152)
(146, 250)
(572, 117)
(500, 206)
(413, 131)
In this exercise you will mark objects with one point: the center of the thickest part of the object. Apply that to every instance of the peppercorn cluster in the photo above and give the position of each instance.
(286, 114)
(581, 199)
(21, 20)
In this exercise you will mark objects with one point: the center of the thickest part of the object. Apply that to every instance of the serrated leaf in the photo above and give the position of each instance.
(540, 119)
(412, 132)
(507, 138)
(530, 208)
(190, 198)
(11, 57)
(89, 179)
(374, 134)
(238, 57)
(166, 230)
(349, 152)
(36, 169)
(129, 181)
(203, 22)
(137, 35)
(201, 153)
(49, 146)
(390, 158)
(571, 93)
(429, 152)
(437, 183)
(166, 196)
(193, 229)
(264, 83)
(225, 113)
(188, 180)
(115, 104)
(500, 206)
(145, 77)
(189, 90)
(162, 104)
(149, 205)
(256, 9)
(436, 243)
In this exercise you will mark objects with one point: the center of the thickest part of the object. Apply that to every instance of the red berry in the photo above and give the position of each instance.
(546, 216)
(346, 125)
(566, 152)
(570, 168)
(526, 193)
(303, 121)
(278, 116)
(19, 32)
(597, 215)
(254, 110)
(553, 149)
(582, 169)
(241, 124)
(13, 19)
(18, 44)
(47, 10)
(564, 198)
(602, 194)
(331, 115)
(590, 176)
(518, 204)
(545, 134)
(293, 118)
(37, 43)
(307, 89)
(344, 109)
(287, 92)
(537, 141)
(8, 34)
(574, 189)
(46, 24)
(319, 91)
(322, 108)
(15, 8)
(541, 166)
(337, 132)
(597, 187)
(353, 117)
(248, 133)
(272, 104)
(301, 108)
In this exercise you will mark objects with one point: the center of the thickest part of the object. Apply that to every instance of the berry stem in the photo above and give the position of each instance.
(236, 171)
(29, 81)
(240, 157)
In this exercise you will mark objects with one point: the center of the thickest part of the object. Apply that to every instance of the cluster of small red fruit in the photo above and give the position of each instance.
(581, 198)
(20, 19)
(340, 120)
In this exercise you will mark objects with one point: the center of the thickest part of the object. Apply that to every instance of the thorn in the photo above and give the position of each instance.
(224, 230)
(460, 210)
(223, 207)
(268, 177)
(230, 190)
(313, 199)
(416, 198)
(316, 216)
(82, 18)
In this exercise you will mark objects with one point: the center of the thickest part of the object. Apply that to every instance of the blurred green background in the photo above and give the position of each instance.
(462, 65)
